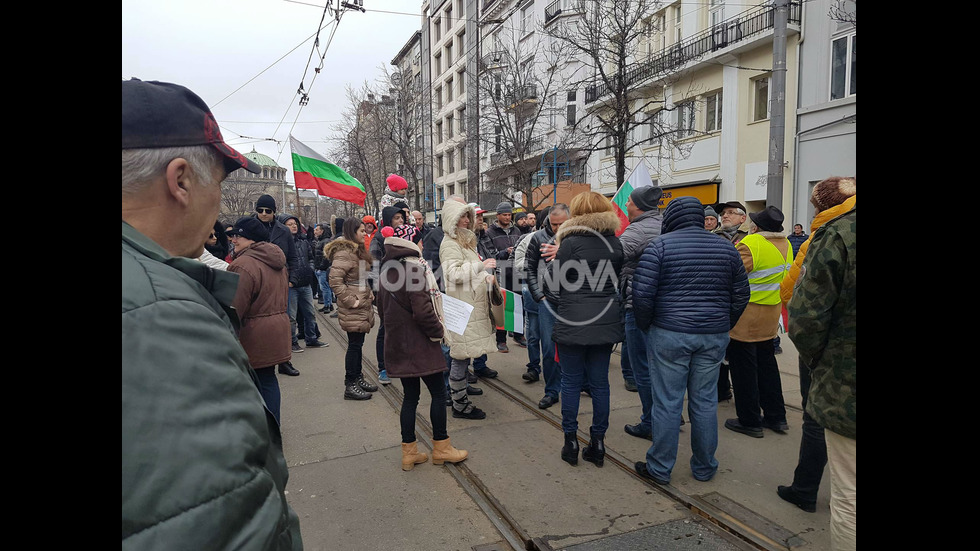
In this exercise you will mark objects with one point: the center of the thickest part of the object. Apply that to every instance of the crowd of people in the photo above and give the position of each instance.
(691, 294)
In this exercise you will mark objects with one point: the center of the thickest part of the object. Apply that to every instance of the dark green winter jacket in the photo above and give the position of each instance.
(823, 323)
(202, 462)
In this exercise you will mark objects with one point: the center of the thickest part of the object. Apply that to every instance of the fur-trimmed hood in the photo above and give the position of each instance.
(452, 211)
(595, 222)
(337, 245)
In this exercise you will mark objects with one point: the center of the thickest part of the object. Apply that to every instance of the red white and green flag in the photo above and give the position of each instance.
(513, 312)
(640, 177)
(312, 171)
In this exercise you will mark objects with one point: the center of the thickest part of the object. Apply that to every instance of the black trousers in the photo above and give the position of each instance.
(755, 380)
(379, 345)
(437, 409)
(813, 448)
(352, 362)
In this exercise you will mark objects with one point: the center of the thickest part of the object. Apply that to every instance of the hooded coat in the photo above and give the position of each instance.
(588, 307)
(349, 281)
(822, 217)
(280, 235)
(413, 329)
(261, 300)
(465, 278)
(304, 274)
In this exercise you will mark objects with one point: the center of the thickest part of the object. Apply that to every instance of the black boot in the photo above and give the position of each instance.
(569, 451)
(595, 452)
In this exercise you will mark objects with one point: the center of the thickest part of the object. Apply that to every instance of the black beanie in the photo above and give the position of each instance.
(647, 197)
(266, 201)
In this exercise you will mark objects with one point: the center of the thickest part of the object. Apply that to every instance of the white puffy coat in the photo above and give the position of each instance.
(465, 278)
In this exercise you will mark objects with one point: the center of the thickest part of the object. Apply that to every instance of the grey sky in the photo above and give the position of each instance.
(215, 47)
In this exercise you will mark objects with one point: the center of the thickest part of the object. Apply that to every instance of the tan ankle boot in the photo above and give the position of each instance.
(411, 456)
(443, 451)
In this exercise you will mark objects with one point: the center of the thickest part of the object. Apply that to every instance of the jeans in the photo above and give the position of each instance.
(379, 345)
(412, 389)
(626, 363)
(552, 369)
(755, 380)
(301, 299)
(352, 360)
(682, 362)
(326, 293)
(813, 448)
(638, 357)
(531, 332)
(269, 389)
(581, 363)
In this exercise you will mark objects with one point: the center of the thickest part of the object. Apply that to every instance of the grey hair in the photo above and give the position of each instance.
(141, 166)
(560, 207)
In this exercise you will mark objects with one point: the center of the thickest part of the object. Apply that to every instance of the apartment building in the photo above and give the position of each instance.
(703, 72)
(826, 137)
(408, 89)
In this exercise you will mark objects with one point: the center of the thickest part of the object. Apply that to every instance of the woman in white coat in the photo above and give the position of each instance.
(467, 278)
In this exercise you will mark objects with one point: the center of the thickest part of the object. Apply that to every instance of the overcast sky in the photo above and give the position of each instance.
(247, 58)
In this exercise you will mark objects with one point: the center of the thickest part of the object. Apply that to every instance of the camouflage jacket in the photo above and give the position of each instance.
(823, 323)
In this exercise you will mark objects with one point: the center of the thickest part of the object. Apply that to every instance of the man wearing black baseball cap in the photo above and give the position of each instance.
(191, 410)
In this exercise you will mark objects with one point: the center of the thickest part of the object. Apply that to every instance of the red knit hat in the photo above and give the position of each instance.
(396, 182)
(387, 231)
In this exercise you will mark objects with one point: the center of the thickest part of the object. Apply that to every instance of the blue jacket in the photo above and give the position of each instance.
(688, 280)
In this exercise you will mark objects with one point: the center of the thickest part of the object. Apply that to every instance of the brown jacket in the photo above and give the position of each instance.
(348, 280)
(412, 328)
(261, 300)
(759, 322)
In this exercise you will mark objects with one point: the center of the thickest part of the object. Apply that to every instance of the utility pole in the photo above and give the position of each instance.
(777, 114)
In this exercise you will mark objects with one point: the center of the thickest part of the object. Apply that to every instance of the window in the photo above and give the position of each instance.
(609, 145)
(451, 156)
(449, 91)
(685, 119)
(439, 132)
(437, 96)
(656, 127)
(438, 165)
(449, 126)
(552, 111)
(716, 12)
(437, 64)
(462, 120)
(462, 158)
(843, 66)
(461, 79)
(677, 23)
(712, 108)
(761, 99)
(449, 54)
(435, 29)
(496, 139)
(496, 86)
(570, 109)
(527, 19)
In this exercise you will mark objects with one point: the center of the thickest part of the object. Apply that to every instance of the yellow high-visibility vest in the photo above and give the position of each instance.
(769, 267)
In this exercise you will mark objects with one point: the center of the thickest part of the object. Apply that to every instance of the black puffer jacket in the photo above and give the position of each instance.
(687, 279)
(303, 274)
(587, 300)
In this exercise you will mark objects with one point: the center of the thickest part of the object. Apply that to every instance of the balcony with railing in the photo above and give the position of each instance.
(728, 32)
(559, 7)
(503, 157)
(527, 93)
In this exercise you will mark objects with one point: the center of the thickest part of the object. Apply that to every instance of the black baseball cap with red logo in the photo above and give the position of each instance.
(163, 114)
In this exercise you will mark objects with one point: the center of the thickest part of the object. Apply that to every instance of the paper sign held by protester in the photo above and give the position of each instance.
(456, 313)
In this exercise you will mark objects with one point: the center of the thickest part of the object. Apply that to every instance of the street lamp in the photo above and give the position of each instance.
(554, 166)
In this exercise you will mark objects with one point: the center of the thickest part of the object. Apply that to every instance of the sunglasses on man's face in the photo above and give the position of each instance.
(264, 210)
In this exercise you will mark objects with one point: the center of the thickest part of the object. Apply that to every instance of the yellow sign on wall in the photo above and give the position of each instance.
(706, 193)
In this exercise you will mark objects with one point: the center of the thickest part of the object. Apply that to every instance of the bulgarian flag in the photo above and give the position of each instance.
(640, 177)
(312, 171)
(513, 312)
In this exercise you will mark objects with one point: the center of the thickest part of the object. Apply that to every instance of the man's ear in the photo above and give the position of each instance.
(179, 179)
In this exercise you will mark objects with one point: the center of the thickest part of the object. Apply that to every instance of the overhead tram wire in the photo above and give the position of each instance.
(302, 104)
